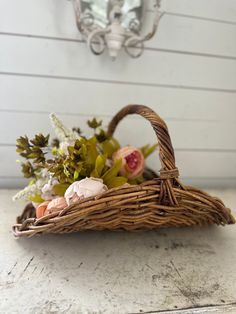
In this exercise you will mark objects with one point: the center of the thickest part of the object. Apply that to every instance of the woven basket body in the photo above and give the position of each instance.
(161, 202)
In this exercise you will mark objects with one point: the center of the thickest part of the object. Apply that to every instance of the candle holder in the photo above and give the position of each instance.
(115, 24)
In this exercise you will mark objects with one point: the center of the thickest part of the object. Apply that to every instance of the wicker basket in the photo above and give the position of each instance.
(160, 202)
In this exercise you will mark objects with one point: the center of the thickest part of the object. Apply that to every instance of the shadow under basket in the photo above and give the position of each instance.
(160, 202)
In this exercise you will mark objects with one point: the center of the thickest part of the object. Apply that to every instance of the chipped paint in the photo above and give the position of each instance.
(165, 271)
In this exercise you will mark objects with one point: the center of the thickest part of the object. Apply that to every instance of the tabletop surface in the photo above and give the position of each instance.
(187, 270)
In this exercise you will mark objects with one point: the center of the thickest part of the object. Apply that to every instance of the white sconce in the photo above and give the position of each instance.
(115, 24)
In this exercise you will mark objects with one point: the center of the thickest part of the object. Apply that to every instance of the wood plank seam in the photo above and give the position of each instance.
(74, 78)
(80, 41)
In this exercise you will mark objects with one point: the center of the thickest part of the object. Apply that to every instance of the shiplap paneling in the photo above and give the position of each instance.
(11, 182)
(175, 33)
(69, 59)
(190, 164)
(187, 74)
(209, 9)
(192, 135)
(45, 95)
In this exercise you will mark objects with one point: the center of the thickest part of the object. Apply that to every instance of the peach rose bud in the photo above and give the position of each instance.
(55, 205)
(40, 210)
(132, 161)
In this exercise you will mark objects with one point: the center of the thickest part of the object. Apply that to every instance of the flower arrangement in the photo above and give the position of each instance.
(73, 166)
(80, 182)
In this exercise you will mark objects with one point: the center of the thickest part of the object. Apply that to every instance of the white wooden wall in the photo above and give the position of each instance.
(187, 74)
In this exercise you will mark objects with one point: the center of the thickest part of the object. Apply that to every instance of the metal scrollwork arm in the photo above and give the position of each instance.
(115, 24)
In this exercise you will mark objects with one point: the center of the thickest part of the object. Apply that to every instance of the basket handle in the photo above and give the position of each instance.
(166, 151)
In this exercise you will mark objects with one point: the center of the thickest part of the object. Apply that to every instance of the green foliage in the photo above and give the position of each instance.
(36, 198)
(116, 181)
(109, 175)
(113, 171)
(101, 136)
(148, 149)
(60, 188)
(137, 180)
(110, 146)
(40, 140)
(111, 178)
(22, 144)
(55, 143)
(27, 169)
(94, 124)
(85, 158)
(32, 149)
(100, 165)
(79, 162)
(77, 130)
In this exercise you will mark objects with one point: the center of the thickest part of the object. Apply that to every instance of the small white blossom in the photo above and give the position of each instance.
(64, 146)
(63, 133)
(35, 188)
(26, 192)
(47, 190)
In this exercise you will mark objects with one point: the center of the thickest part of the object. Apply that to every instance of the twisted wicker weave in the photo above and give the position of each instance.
(161, 202)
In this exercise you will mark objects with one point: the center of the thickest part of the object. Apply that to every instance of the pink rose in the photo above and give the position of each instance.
(132, 161)
(49, 207)
(55, 205)
(84, 188)
(40, 210)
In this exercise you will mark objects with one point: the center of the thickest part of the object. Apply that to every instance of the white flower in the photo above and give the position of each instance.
(33, 189)
(64, 146)
(47, 190)
(26, 192)
(63, 133)
(84, 188)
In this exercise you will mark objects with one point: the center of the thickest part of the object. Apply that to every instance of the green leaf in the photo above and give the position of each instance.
(27, 169)
(33, 181)
(94, 124)
(36, 199)
(92, 152)
(70, 150)
(76, 175)
(117, 181)
(101, 136)
(54, 151)
(147, 150)
(78, 166)
(66, 171)
(78, 144)
(40, 140)
(112, 172)
(23, 142)
(137, 180)
(55, 143)
(99, 166)
(110, 146)
(83, 151)
(60, 189)
(33, 155)
(77, 130)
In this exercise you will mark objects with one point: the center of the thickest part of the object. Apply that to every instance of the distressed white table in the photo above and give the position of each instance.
(167, 271)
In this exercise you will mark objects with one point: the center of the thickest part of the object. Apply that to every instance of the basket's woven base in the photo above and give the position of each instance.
(129, 208)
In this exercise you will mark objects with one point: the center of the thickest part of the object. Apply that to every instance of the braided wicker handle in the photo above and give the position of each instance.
(167, 156)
